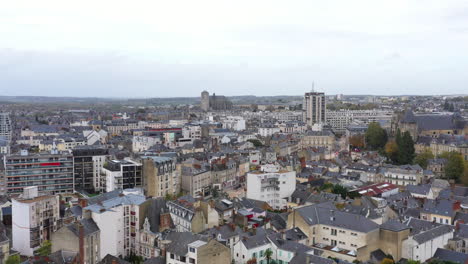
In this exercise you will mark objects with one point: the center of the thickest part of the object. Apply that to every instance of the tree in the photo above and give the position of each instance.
(387, 261)
(406, 149)
(357, 141)
(268, 254)
(391, 150)
(45, 249)
(376, 136)
(422, 158)
(413, 262)
(341, 190)
(455, 167)
(13, 259)
(257, 143)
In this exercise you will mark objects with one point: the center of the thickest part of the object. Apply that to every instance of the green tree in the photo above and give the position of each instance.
(341, 190)
(422, 158)
(13, 259)
(376, 136)
(455, 167)
(268, 254)
(413, 262)
(257, 143)
(406, 149)
(45, 249)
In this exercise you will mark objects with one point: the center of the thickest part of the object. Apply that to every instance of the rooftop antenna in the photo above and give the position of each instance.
(313, 87)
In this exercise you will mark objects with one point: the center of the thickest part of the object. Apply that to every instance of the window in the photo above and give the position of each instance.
(192, 249)
(333, 242)
(172, 256)
(333, 232)
(191, 260)
(254, 255)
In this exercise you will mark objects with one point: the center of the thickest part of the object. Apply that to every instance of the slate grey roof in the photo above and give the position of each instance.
(153, 212)
(156, 260)
(304, 258)
(109, 259)
(432, 233)
(104, 205)
(448, 255)
(394, 225)
(462, 231)
(422, 189)
(288, 245)
(441, 207)
(316, 214)
(180, 240)
(89, 227)
(255, 241)
(225, 231)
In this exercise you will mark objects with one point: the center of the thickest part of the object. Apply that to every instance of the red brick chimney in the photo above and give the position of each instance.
(164, 221)
(303, 162)
(81, 243)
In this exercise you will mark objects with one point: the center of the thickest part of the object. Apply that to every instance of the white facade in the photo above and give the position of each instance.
(271, 187)
(267, 131)
(339, 120)
(118, 222)
(33, 221)
(143, 143)
(243, 254)
(192, 132)
(424, 251)
(236, 123)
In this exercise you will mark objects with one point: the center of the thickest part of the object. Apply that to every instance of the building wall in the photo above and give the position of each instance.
(259, 187)
(392, 242)
(111, 224)
(21, 227)
(214, 253)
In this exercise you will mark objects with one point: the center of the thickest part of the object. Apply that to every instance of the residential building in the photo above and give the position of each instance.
(404, 175)
(185, 247)
(190, 215)
(117, 215)
(51, 172)
(425, 238)
(5, 125)
(160, 176)
(341, 119)
(273, 186)
(87, 164)
(314, 107)
(316, 139)
(82, 238)
(34, 219)
(121, 174)
(338, 234)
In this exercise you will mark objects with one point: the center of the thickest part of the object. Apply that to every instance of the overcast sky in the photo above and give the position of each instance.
(179, 48)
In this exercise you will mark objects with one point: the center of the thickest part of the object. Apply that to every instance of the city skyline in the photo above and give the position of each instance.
(158, 49)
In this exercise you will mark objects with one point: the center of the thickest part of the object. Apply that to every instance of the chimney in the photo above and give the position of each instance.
(254, 230)
(332, 215)
(283, 235)
(164, 221)
(81, 243)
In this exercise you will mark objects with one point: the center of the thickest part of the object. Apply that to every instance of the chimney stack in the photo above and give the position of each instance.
(81, 243)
